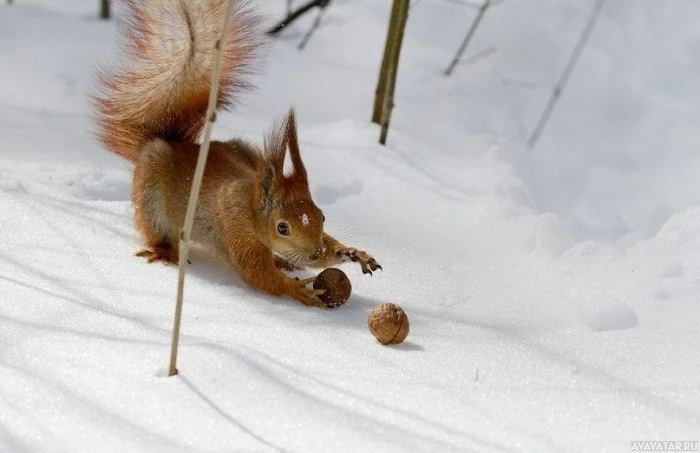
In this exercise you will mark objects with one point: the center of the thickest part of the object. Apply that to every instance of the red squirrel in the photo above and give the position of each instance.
(151, 111)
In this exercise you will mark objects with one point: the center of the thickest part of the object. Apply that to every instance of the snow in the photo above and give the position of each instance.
(552, 292)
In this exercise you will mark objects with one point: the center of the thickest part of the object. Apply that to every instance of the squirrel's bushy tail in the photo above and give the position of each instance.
(162, 86)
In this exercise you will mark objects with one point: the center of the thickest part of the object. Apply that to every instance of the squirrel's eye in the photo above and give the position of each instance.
(283, 228)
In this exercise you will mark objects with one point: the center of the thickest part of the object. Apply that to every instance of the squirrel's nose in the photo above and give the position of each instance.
(317, 254)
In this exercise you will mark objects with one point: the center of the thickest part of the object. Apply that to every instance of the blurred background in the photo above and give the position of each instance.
(617, 157)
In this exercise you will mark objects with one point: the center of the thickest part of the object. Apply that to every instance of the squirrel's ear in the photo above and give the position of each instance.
(290, 137)
(267, 189)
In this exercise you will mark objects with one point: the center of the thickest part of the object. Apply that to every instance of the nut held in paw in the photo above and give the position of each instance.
(336, 284)
(389, 323)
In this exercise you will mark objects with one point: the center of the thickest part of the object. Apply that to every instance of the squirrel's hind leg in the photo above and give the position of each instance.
(150, 183)
(163, 251)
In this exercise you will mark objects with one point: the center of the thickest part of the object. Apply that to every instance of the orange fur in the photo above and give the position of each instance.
(162, 87)
(152, 112)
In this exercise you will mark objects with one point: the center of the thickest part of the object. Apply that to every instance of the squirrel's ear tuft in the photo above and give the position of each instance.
(275, 148)
(267, 189)
(290, 137)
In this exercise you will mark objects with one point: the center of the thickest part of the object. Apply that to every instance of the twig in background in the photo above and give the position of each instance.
(289, 7)
(314, 26)
(469, 4)
(381, 81)
(387, 60)
(518, 83)
(291, 17)
(399, 15)
(479, 55)
(186, 233)
(468, 38)
(559, 88)
(104, 9)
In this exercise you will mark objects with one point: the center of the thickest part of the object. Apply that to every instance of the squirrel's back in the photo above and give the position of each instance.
(161, 88)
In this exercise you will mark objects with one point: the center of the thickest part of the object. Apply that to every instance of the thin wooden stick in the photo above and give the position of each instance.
(559, 88)
(186, 233)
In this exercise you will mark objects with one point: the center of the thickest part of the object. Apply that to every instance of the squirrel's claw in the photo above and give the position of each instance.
(366, 261)
(370, 266)
(307, 296)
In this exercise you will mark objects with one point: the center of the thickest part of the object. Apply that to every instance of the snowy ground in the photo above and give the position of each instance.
(552, 292)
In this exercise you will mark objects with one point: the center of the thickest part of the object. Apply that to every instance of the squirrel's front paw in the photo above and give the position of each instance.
(307, 296)
(367, 262)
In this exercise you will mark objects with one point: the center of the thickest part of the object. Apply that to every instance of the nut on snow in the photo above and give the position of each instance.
(336, 284)
(388, 323)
